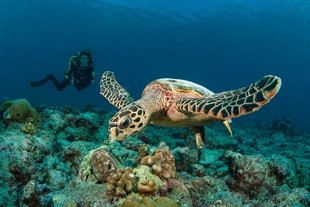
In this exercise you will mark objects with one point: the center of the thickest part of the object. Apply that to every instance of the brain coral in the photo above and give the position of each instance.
(97, 165)
(18, 110)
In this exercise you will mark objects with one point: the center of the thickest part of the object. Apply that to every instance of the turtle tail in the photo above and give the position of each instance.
(231, 104)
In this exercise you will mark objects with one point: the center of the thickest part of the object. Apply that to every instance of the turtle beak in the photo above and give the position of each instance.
(113, 133)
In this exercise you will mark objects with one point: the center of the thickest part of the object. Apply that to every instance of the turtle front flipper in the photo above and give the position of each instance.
(113, 91)
(231, 104)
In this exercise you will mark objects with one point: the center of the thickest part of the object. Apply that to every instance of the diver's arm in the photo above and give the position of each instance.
(71, 66)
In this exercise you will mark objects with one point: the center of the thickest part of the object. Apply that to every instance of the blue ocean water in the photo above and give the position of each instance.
(220, 44)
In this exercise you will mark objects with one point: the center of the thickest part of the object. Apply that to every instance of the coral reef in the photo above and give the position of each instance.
(63, 163)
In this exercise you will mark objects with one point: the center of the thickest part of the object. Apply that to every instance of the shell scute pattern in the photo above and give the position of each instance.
(177, 86)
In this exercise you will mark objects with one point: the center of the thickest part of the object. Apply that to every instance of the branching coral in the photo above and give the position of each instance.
(141, 180)
(121, 182)
(29, 127)
(147, 187)
(162, 163)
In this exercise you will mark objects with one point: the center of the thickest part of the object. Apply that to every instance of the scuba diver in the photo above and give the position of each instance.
(80, 73)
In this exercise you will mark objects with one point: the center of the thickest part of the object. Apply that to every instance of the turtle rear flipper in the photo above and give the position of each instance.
(113, 91)
(231, 104)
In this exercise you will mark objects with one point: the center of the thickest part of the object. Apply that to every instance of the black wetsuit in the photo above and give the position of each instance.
(80, 77)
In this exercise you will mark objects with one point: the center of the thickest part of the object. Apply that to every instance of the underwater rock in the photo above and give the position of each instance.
(102, 135)
(53, 120)
(218, 137)
(204, 191)
(54, 173)
(29, 195)
(165, 202)
(284, 170)
(135, 201)
(198, 170)
(18, 110)
(250, 174)
(85, 171)
(74, 152)
(78, 134)
(185, 157)
(87, 119)
(126, 156)
(57, 179)
(24, 165)
(19, 155)
(87, 124)
(82, 194)
(285, 126)
(81, 126)
(9, 190)
(209, 156)
(176, 190)
(295, 197)
(137, 145)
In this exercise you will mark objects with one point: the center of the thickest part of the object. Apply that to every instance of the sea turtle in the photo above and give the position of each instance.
(176, 102)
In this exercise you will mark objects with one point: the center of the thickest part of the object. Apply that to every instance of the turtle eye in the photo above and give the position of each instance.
(124, 123)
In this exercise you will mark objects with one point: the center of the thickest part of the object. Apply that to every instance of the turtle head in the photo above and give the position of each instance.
(128, 121)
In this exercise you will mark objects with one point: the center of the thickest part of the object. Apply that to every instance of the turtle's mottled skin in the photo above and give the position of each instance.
(175, 102)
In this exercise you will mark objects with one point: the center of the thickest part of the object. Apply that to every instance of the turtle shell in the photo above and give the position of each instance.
(179, 86)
